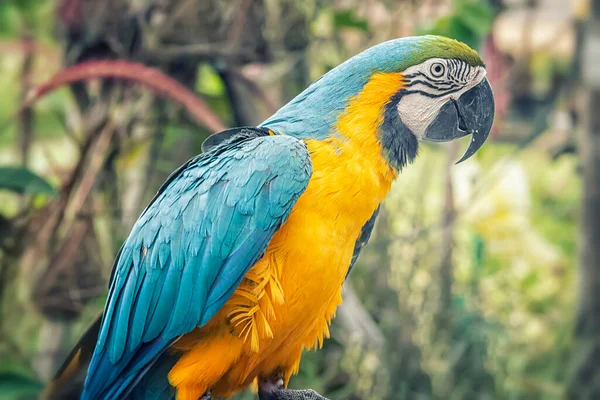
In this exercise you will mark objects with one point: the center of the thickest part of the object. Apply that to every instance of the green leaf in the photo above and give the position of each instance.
(15, 386)
(9, 19)
(478, 17)
(453, 27)
(27, 6)
(17, 14)
(209, 82)
(529, 281)
(23, 181)
(29, 10)
(478, 251)
(347, 19)
(468, 23)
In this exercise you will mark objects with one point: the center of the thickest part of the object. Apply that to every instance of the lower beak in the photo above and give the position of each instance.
(471, 114)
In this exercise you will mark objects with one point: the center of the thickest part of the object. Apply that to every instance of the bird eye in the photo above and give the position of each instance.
(437, 70)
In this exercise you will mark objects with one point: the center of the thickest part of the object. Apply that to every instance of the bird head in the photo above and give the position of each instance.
(403, 91)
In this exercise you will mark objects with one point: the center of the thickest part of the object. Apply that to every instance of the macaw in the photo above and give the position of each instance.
(237, 264)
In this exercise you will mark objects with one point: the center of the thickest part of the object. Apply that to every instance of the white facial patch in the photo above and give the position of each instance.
(432, 84)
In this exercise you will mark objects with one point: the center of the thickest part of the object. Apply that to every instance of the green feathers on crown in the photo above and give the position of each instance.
(442, 47)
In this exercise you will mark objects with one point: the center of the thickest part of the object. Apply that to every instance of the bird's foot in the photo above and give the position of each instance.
(267, 386)
(274, 389)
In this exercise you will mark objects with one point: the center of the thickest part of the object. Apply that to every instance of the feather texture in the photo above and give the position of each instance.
(189, 250)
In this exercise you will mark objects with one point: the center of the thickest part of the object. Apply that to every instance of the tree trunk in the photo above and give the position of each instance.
(585, 377)
(444, 317)
(54, 337)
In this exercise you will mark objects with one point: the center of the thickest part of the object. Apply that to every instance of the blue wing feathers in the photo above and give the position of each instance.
(227, 282)
(142, 308)
(154, 385)
(363, 238)
(189, 250)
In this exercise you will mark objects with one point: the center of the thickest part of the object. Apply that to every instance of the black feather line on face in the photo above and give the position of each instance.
(448, 85)
(458, 89)
(429, 78)
(399, 144)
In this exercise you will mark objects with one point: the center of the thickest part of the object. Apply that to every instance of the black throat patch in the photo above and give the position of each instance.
(400, 146)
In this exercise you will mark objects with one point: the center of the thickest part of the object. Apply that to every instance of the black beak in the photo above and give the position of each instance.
(471, 114)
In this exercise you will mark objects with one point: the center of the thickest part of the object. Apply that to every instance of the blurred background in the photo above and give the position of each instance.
(481, 281)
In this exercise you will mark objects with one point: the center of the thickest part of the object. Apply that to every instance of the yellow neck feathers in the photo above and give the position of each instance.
(364, 113)
(349, 165)
(359, 123)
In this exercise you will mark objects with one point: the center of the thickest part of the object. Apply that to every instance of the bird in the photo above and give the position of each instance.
(237, 264)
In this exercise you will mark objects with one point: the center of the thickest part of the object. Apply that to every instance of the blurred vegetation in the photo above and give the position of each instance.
(466, 289)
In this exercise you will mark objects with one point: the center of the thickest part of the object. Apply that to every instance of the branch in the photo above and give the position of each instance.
(229, 48)
(357, 321)
(25, 119)
(135, 72)
(289, 394)
(254, 88)
(208, 50)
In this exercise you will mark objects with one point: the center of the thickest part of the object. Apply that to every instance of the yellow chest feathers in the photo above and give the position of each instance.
(299, 279)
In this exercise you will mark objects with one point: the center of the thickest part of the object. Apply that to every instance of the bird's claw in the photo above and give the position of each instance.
(267, 386)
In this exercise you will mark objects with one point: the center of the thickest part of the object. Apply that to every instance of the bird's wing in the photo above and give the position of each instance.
(363, 239)
(219, 138)
(189, 250)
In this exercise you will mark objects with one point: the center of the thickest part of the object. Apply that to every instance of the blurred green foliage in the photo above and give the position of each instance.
(468, 22)
(33, 15)
(349, 19)
(18, 387)
(514, 242)
(23, 181)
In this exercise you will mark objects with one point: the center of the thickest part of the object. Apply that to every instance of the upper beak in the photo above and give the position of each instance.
(471, 114)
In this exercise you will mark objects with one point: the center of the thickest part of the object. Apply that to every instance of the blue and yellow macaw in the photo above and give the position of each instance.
(238, 262)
